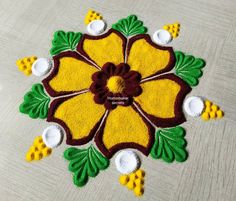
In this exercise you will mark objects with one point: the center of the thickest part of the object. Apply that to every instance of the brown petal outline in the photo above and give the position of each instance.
(69, 140)
(179, 115)
(109, 153)
(110, 31)
(56, 60)
(172, 60)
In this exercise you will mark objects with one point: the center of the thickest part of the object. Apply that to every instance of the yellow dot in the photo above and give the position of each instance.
(205, 116)
(176, 30)
(41, 146)
(25, 60)
(219, 114)
(29, 156)
(208, 109)
(32, 59)
(166, 27)
(139, 182)
(38, 140)
(90, 12)
(140, 173)
(208, 103)
(18, 62)
(22, 67)
(214, 108)
(171, 30)
(86, 21)
(46, 151)
(177, 24)
(130, 185)
(124, 179)
(132, 176)
(138, 191)
(28, 72)
(38, 155)
(116, 84)
(213, 115)
(33, 148)
(175, 35)
(29, 65)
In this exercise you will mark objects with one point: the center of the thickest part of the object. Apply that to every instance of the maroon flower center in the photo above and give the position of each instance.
(115, 85)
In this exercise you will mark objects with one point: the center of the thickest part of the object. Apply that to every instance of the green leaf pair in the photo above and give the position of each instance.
(130, 26)
(35, 102)
(85, 163)
(188, 67)
(170, 145)
(64, 41)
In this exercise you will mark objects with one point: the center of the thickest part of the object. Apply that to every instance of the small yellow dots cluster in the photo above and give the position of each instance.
(134, 181)
(211, 111)
(173, 29)
(92, 15)
(38, 150)
(25, 64)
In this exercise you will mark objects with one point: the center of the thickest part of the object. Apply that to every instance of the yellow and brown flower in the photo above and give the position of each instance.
(115, 90)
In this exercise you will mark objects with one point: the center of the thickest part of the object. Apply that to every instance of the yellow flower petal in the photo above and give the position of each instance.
(108, 47)
(71, 73)
(79, 116)
(162, 98)
(124, 128)
(148, 58)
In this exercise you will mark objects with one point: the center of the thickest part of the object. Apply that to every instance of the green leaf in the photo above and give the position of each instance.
(64, 41)
(85, 163)
(170, 145)
(130, 26)
(35, 103)
(188, 67)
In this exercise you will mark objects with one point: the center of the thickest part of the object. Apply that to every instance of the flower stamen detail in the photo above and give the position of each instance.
(116, 84)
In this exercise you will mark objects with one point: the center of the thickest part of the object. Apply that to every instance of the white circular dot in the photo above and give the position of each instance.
(96, 27)
(194, 106)
(127, 162)
(52, 136)
(41, 66)
(162, 37)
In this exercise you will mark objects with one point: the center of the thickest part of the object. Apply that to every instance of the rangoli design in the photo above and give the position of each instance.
(116, 90)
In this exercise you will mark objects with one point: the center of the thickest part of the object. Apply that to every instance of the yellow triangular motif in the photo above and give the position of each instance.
(25, 64)
(92, 15)
(211, 111)
(134, 181)
(174, 29)
(38, 150)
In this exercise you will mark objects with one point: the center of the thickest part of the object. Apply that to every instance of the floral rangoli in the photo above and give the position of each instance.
(116, 90)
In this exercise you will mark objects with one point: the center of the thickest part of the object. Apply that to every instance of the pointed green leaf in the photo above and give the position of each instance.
(72, 153)
(80, 177)
(170, 145)
(130, 26)
(167, 155)
(64, 41)
(35, 102)
(77, 163)
(188, 67)
(92, 168)
(101, 162)
(85, 163)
